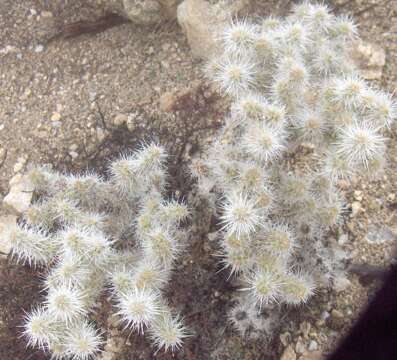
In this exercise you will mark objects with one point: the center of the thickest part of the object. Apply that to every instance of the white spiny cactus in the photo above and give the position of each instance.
(301, 119)
(77, 227)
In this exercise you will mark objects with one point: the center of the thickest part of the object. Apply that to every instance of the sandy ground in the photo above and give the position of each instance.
(61, 102)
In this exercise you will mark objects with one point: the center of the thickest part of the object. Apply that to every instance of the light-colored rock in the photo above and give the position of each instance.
(73, 147)
(315, 355)
(7, 223)
(305, 327)
(169, 8)
(20, 164)
(131, 123)
(288, 354)
(8, 49)
(300, 347)
(39, 48)
(198, 23)
(202, 23)
(100, 134)
(370, 59)
(343, 239)
(3, 155)
(313, 345)
(143, 12)
(46, 14)
(120, 119)
(285, 338)
(56, 116)
(341, 283)
(73, 154)
(356, 208)
(20, 195)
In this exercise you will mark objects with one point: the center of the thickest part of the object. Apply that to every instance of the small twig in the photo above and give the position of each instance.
(4, 158)
(78, 28)
(101, 115)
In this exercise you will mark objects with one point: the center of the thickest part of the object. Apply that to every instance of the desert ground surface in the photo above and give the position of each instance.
(76, 103)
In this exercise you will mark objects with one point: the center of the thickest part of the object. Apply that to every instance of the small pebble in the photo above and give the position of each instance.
(313, 346)
(39, 48)
(285, 338)
(305, 327)
(356, 208)
(120, 119)
(341, 283)
(288, 354)
(55, 116)
(73, 154)
(300, 347)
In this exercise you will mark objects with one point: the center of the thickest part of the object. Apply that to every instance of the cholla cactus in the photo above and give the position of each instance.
(301, 119)
(91, 234)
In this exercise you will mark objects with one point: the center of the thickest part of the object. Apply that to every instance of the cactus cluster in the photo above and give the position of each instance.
(89, 235)
(301, 119)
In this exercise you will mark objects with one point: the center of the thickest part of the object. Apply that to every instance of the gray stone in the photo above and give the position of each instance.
(378, 234)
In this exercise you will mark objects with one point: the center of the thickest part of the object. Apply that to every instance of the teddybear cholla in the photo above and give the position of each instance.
(90, 234)
(301, 120)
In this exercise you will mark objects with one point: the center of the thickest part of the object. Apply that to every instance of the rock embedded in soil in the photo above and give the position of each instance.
(341, 283)
(370, 59)
(20, 195)
(20, 164)
(305, 327)
(378, 234)
(300, 346)
(7, 223)
(313, 345)
(142, 12)
(336, 320)
(120, 119)
(202, 22)
(356, 208)
(288, 354)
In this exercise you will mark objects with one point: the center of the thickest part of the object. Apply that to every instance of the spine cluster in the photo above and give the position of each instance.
(91, 234)
(301, 119)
